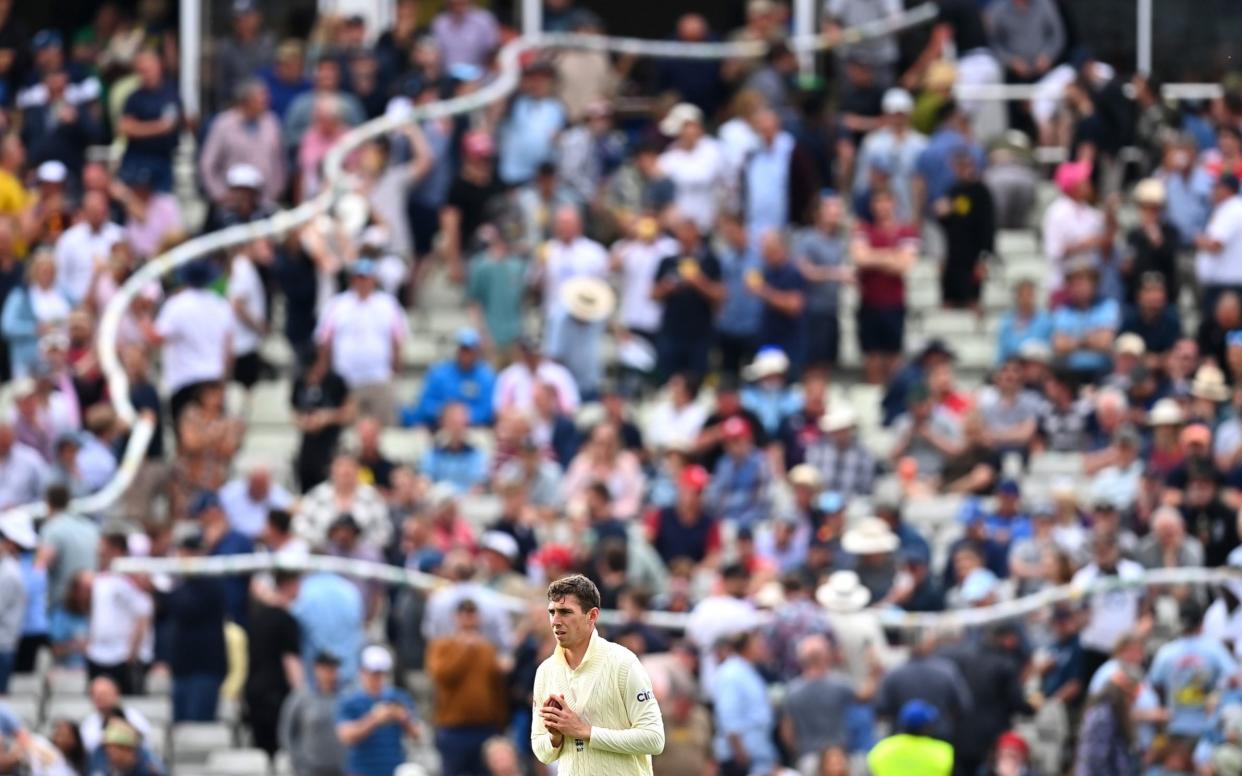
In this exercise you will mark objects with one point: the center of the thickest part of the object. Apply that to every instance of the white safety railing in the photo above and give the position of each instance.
(890, 617)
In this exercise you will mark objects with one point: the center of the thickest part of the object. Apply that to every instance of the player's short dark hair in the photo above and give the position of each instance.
(577, 586)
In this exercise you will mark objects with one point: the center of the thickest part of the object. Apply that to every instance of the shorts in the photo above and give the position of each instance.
(247, 368)
(881, 330)
(823, 340)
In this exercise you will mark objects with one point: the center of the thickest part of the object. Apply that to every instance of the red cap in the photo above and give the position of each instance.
(478, 143)
(736, 428)
(695, 477)
(1012, 740)
(556, 555)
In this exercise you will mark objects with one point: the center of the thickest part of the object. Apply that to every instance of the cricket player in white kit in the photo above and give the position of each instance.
(595, 713)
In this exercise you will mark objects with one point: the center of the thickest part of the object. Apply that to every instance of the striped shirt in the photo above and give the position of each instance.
(609, 689)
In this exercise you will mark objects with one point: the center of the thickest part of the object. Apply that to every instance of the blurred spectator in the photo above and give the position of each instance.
(330, 613)
(697, 82)
(913, 745)
(453, 459)
(589, 152)
(842, 460)
(883, 252)
(1152, 317)
(1027, 36)
(1168, 546)
(274, 661)
(343, 493)
(247, 500)
(60, 119)
(990, 667)
(69, 542)
(121, 641)
(777, 178)
(121, 752)
(328, 123)
(286, 78)
(248, 133)
(466, 34)
(1153, 243)
(529, 127)
(936, 164)
(1188, 189)
(1110, 615)
(241, 54)
(821, 253)
(1218, 263)
(745, 719)
(1106, 744)
(32, 310)
(967, 215)
(322, 407)
(1083, 329)
(603, 460)
(308, 722)
(894, 147)
(466, 379)
(151, 122)
(1187, 670)
(84, 245)
(928, 434)
(740, 314)
(878, 55)
(814, 712)
(208, 441)
(16, 536)
(196, 608)
(107, 705)
(495, 291)
(695, 163)
(518, 384)
(361, 332)
(470, 692)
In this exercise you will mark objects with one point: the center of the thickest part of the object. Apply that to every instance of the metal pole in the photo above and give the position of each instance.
(804, 27)
(532, 17)
(1143, 46)
(191, 30)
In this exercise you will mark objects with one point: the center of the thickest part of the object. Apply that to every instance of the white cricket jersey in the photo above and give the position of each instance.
(609, 689)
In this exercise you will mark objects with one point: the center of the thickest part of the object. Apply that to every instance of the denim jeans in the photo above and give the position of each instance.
(195, 697)
(6, 669)
(461, 749)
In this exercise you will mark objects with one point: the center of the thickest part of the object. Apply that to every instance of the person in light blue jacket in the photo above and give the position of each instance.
(1022, 324)
(30, 311)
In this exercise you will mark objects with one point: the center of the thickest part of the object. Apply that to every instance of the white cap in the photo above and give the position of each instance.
(17, 527)
(897, 101)
(1129, 344)
(500, 543)
(52, 171)
(375, 236)
(244, 176)
(376, 659)
(683, 113)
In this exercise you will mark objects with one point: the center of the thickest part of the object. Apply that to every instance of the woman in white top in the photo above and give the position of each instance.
(677, 418)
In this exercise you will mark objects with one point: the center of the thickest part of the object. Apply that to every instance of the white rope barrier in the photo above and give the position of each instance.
(889, 617)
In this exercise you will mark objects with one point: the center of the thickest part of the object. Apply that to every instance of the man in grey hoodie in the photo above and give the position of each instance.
(1027, 37)
(308, 723)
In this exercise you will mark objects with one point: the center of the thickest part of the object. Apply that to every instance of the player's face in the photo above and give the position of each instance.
(570, 624)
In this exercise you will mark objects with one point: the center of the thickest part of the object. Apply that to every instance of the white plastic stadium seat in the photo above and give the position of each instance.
(157, 709)
(66, 681)
(26, 684)
(237, 762)
(73, 707)
(26, 707)
(1056, 465)
(193, 741)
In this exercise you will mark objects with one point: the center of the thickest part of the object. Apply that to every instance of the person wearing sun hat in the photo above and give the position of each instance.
(769, 395)
(122, 753)
(1072, 228)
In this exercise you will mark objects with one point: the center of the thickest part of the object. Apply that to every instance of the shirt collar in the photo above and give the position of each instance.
(586, 657)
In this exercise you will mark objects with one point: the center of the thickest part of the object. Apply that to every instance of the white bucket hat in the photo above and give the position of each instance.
(843, 592)
(871, 536)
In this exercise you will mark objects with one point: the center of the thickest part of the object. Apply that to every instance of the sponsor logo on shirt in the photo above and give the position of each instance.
(645, 695)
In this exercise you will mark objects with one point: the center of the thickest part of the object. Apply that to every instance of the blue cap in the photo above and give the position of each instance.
(917, 715)
(1234, 337)
(363, 268)
(978, 585)
(202, 501)
(46, 39)
(198, 274)
(830, 501)
(467, 338)
(1009, 487)
(464, 71)
(971, 511)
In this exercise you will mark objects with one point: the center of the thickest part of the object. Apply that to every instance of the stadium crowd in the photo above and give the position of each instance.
(658, 259)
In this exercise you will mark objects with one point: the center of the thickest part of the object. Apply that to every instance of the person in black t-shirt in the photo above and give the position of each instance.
(710, 446)
(468, 198)
(196, 610)
(275, 661)
(321, 409)
(151, 123)
(689, 286)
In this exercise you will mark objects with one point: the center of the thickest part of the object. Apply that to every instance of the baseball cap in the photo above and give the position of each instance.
(830, 501)
(467, 337)
(46, 39)
(897, 101)
(500, 543)
(1012, 740)
(120, 733)
(916, 715)
(695, 477)
(362, 268)
(324, 658)
(375, 659)
(735, 428)
(1009, 487)
(52, 171)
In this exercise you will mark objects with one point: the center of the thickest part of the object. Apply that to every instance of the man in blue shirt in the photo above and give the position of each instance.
(466, 379)
(782, 288)
(371, 720)
(219, 538)
(744, 715)
(1084, 329)
(741, 313)
(1008, 522)
(1188, 671)
(329, 611)
(150, 123)
(453, 459)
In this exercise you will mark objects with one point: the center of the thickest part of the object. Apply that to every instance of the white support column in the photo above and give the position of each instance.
(532, 17)
(804, 26)
(191, 53)
(1143, 46)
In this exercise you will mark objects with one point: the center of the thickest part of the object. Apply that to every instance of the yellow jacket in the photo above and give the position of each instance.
(905, 755)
